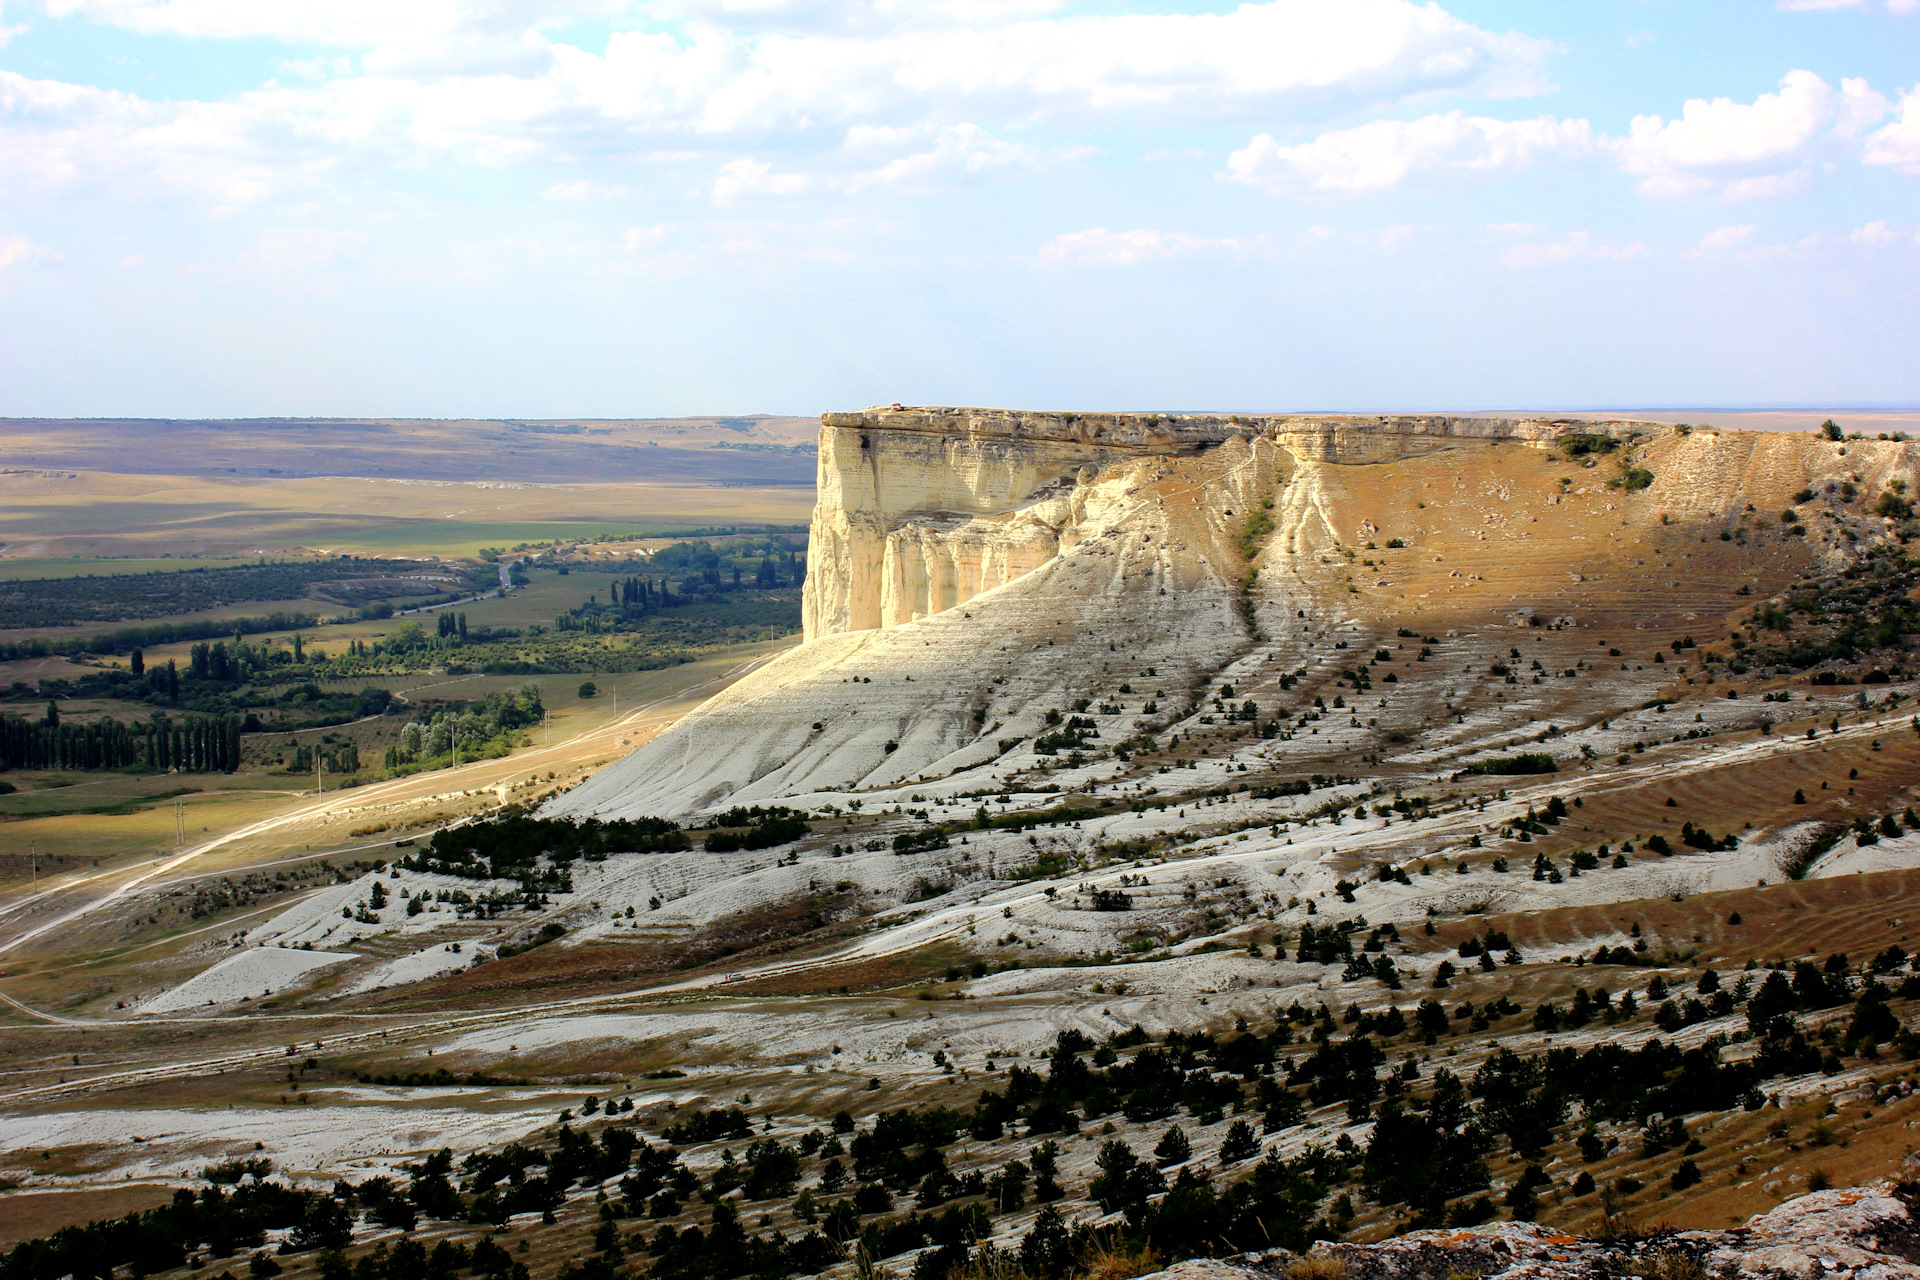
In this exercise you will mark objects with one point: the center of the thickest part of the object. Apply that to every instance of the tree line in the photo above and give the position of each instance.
(197, 744)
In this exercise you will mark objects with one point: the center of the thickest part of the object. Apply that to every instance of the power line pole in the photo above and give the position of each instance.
(36, 864)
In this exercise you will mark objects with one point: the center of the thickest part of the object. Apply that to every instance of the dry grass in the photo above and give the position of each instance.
(25, 1215)
(1674, 1265)
(1317, 1266)
(1118, 1262)
(1849, 914)
(90, 514)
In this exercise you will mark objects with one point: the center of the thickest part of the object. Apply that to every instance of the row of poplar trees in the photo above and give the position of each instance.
(198, 744)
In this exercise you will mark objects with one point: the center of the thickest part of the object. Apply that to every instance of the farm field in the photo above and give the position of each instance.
(72, 517)
(26, 570)
(83, 824)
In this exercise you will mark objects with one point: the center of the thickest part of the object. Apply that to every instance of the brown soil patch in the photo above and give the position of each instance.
(25, 1215)
(878, 974)
(779, 928)
(1858, 915)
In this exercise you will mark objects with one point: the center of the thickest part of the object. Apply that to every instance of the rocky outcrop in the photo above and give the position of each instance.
(1864, 1233)
(921, 510)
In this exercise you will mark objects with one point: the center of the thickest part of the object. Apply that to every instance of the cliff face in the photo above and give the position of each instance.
(975, 574)
(921, 510)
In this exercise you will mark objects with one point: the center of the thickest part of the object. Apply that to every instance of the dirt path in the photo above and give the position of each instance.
(648, 718)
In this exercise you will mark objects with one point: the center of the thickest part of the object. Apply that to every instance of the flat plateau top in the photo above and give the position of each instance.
(1159, 429)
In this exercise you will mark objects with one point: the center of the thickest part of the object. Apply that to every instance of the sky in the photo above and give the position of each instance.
(628, 208)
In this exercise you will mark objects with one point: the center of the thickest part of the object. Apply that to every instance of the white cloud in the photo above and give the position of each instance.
(1579, 246)
(1746, 149)
(893, 52)
(1381, 153)
(749, 177)
(959, 152)
(1815, 6)
(1898, 143)
(1769, 147)
(1792, 183)
(951, 156)
(397, 36)
(1099, 247)
(1194, 65)
(18, 250)
(638, 238)
(582, 190)
(497, 83)
(1876, 235)
(342, 22)
(1728, 237)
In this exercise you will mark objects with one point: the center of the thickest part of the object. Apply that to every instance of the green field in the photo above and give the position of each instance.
(91, 526)
(33, 570)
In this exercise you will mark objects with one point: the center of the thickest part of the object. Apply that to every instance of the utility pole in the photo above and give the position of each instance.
(319, 783)
(35, 855)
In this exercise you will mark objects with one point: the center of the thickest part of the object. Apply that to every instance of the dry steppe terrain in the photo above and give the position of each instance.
(1431, 820)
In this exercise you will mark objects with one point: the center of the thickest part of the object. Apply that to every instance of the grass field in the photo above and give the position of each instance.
(70, 517)
(114, 820)
(29, 570)
(110, 521)
(548, 593)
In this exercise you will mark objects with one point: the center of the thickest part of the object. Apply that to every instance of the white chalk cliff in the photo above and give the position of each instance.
(971, 570)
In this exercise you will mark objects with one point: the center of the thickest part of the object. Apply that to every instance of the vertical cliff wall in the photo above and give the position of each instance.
(920, 510)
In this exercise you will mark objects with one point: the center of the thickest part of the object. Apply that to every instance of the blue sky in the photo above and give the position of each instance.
(624, 208)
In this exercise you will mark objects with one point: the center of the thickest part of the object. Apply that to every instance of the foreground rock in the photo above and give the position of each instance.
(1863, 1233)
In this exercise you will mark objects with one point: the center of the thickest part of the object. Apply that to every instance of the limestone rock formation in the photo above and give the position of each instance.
(1867, 1233)
(921, 510)
(973, 571)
